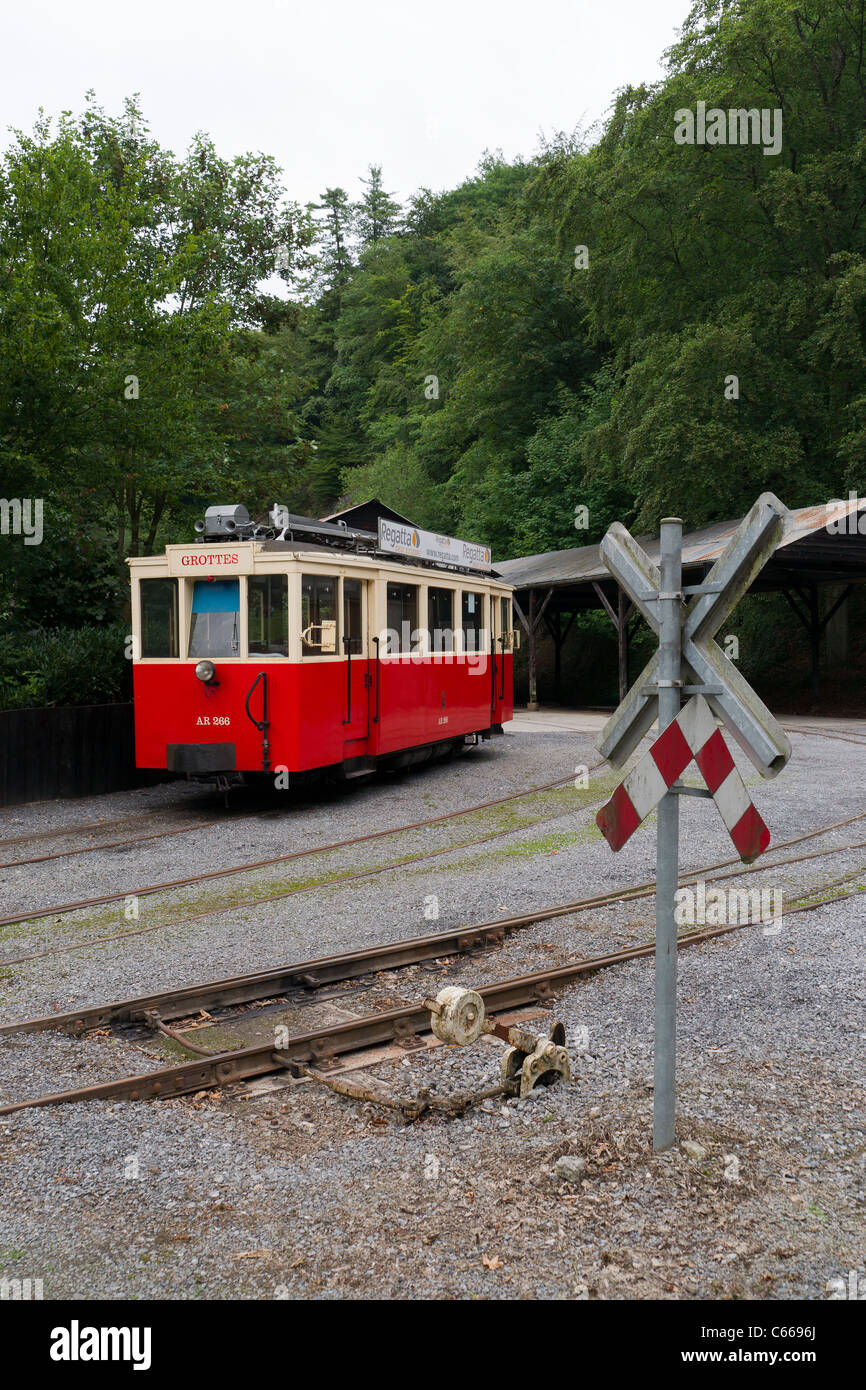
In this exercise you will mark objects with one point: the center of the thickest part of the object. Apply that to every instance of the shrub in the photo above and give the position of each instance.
(80, 666)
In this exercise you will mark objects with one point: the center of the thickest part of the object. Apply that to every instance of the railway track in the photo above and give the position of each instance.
(290, 855)
(105, 825)
(164, 818)
(168, 885)
(231, 818)
(323, 1048)
(106, 844)
(836, 735)
(326, 1045)
(385, 868)
(304, 975)
(130, 841)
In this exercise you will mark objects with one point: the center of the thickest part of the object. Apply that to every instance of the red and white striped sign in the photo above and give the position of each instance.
(693, 734)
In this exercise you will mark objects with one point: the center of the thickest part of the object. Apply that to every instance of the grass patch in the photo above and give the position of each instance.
(491, 820)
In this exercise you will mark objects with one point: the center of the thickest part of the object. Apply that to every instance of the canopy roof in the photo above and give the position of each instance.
(807, 554)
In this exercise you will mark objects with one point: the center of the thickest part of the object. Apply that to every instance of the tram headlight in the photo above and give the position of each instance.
(206, 671)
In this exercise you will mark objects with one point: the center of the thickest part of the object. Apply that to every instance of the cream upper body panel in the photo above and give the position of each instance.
(244, 560)
(227, 560)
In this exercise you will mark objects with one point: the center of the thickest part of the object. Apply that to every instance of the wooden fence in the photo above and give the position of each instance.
(74, 751)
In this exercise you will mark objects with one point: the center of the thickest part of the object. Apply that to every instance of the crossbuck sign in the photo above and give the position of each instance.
(688, 662)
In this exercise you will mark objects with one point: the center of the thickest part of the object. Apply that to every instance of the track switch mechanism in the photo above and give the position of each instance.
(457, 1016)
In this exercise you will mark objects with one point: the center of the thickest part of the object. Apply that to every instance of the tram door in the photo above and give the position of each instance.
(500, 612)
(358, 679)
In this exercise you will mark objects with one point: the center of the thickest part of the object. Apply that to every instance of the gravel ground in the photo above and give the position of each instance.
(290, 1191)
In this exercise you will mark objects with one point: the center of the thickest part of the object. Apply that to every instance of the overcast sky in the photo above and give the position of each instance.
(420, 88)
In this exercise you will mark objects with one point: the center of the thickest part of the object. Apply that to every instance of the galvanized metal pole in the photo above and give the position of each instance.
(667, 851)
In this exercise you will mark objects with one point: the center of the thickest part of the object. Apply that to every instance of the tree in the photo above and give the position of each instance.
(130, 380)
(725, 284)
(333, 240)
(376, 215)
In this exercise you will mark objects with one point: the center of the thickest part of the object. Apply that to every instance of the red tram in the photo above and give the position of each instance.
(309, 645)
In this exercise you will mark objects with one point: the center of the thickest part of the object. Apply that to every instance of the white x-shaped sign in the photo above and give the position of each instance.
(709, 604)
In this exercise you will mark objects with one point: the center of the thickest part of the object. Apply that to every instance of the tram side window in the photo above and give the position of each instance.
(440, 619)
(505, 616)
(473, 621)
(352, 617)
(268, 609)
(402, 617)
(216, 618)
(318, 614)
(159, 617)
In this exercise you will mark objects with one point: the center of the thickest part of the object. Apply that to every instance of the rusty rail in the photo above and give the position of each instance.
(579, 905)
(325, 1045)
(243, 989)
(77, 905)
(348, 965)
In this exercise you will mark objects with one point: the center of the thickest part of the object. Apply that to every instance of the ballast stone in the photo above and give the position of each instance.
(570, 1168)
(693, 1149)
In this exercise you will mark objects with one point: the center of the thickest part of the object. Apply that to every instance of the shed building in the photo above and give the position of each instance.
(821, 545)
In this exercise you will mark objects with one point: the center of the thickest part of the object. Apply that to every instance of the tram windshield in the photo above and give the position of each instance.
(215, 627)
(159, 625)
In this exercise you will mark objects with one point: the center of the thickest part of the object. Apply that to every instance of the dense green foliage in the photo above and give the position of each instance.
(461, 357)
(82, 666)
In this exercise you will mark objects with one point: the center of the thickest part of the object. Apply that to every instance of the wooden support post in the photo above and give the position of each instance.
(623, 615)
(558, 635)
(530, 627)
(836, 648)
(620, 617)
(815, 625)
(815, 635)
(532, 702)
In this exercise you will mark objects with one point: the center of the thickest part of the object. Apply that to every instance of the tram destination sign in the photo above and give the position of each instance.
(209, 561)
(426, 545)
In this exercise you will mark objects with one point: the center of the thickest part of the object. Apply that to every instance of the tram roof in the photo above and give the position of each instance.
(379, 557)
